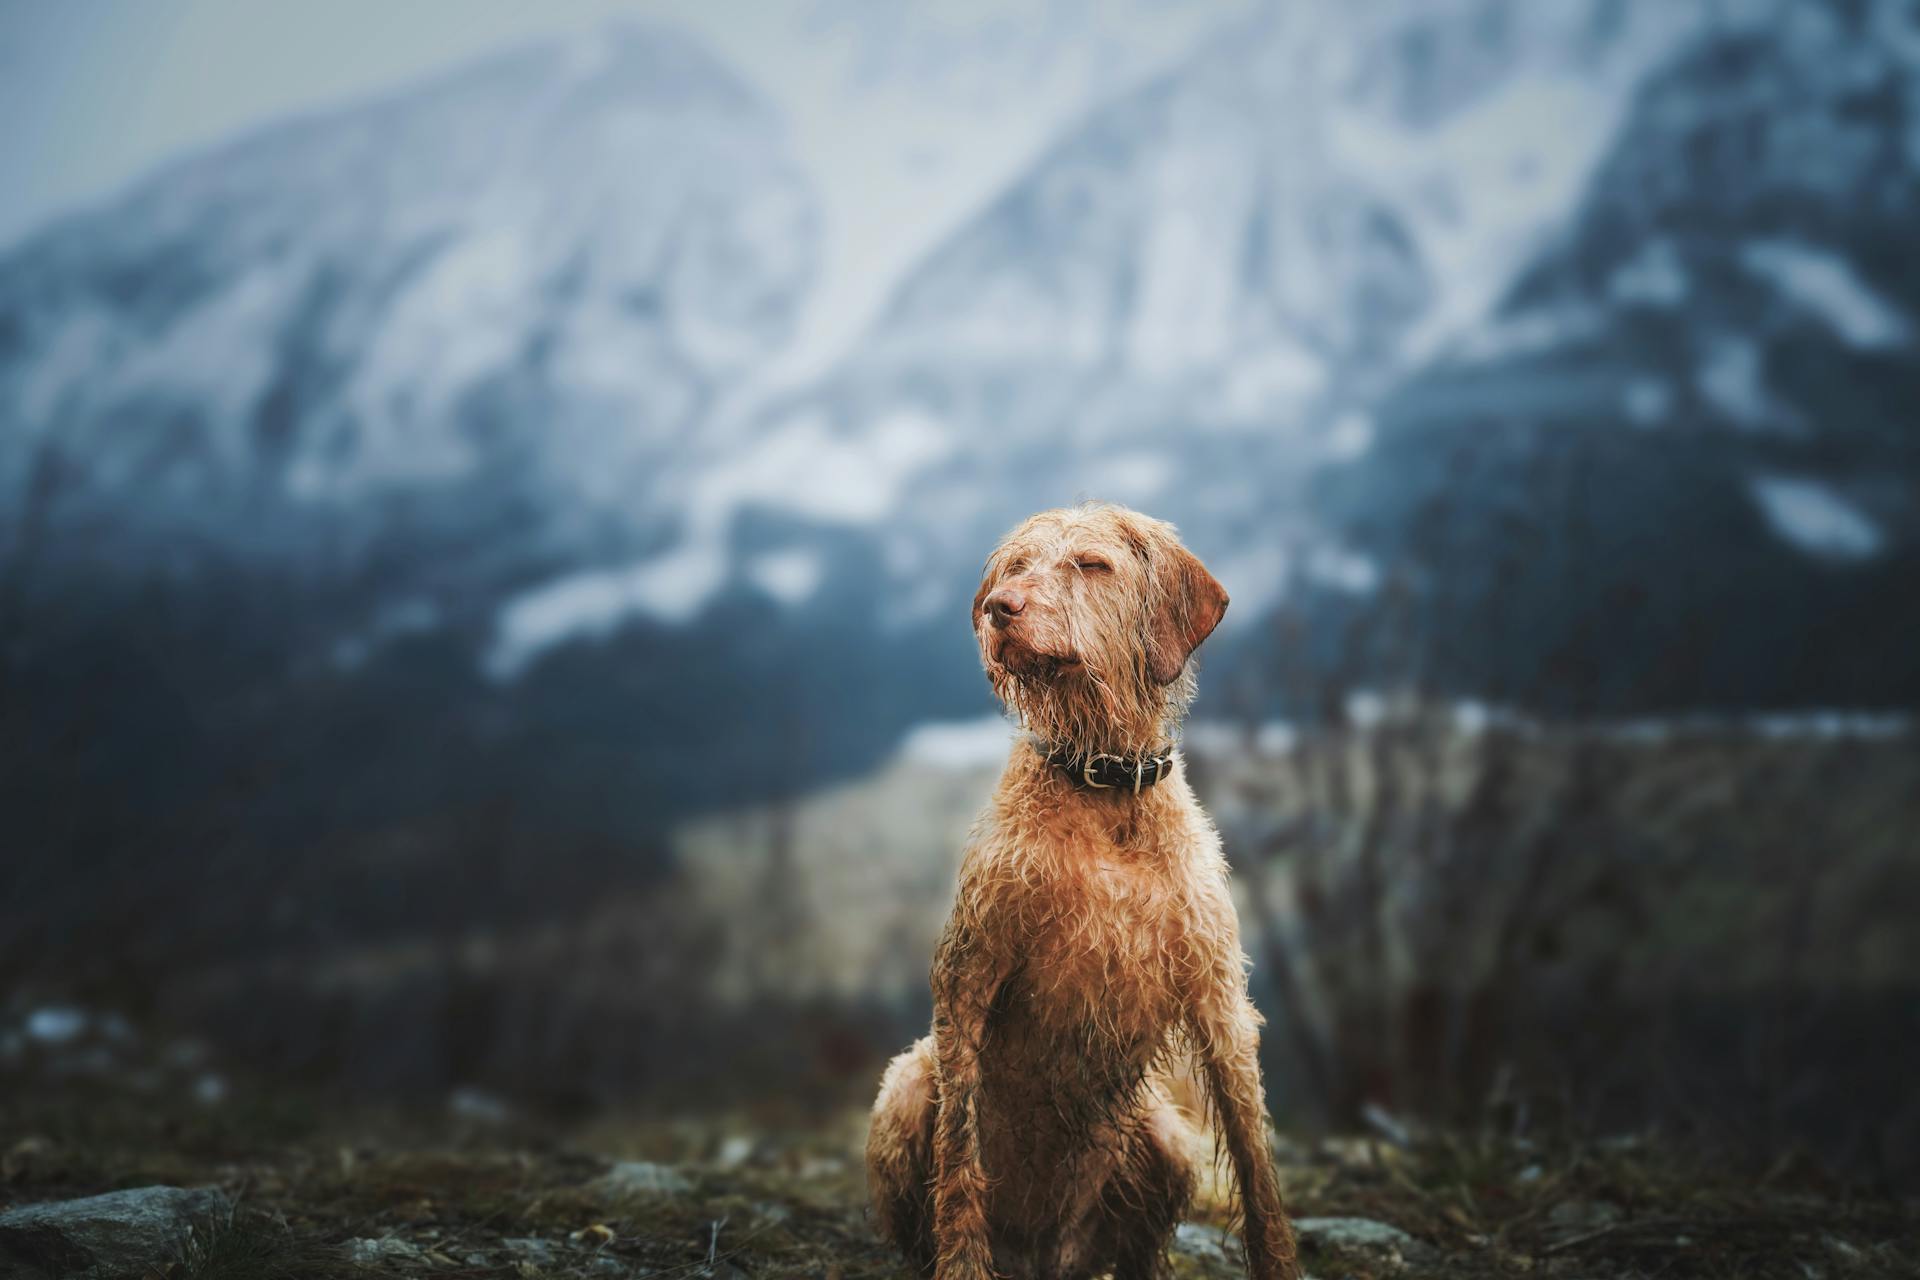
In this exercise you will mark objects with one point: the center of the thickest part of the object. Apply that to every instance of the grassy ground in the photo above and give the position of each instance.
(337, 1191)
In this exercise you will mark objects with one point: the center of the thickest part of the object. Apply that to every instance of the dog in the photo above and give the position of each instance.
(1092, 942)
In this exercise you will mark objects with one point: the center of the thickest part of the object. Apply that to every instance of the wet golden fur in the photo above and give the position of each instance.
(1092, 940)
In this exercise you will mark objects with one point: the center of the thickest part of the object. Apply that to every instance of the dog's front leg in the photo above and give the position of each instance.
(965, 980)
(1225, 1029)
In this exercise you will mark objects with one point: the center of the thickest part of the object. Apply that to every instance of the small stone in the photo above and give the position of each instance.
(1352, 1233)
(1202, 1243)
(1351, 1153)
(530, 1249)
(366, 1252)
(642, 1177)
(123, 1233)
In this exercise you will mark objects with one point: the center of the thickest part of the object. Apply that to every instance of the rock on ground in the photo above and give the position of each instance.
(1351, 1233)
(642, 1177)
(124, 1235)
(1202, 1252)
(367, 1252)
(1207, 1252)
(530, 1249)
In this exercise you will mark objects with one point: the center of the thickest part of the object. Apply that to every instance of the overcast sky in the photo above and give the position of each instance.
(907, 116)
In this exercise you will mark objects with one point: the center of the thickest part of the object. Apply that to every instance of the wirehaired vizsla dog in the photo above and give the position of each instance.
(1093, 940)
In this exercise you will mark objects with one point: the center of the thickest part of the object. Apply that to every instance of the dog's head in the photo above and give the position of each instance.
(1086, 618)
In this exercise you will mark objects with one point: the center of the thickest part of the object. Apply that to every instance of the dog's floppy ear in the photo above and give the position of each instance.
(1187, 605)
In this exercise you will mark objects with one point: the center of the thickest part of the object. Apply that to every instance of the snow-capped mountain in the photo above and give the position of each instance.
(500, 302)
(1179, 306)
(405, 423)
(283, 425)
(1681, 462)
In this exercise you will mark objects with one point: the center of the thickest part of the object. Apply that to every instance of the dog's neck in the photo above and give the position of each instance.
(1163, 743)
(1117, 755)
(1082, 736)
(1095, 718)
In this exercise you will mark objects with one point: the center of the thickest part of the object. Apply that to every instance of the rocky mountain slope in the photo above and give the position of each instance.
(1182, 302)
(462, 332)
(1679, 462)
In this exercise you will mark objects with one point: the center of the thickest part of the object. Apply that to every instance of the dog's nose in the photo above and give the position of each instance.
(1005, 605)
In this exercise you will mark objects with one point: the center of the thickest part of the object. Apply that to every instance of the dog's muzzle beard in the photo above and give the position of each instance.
(1042, 668)
(1052, 710)
(1032, 665)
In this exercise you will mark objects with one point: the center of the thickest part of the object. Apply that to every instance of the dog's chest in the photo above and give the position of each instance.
(1095, 942)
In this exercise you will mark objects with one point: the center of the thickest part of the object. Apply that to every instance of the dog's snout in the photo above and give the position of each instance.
(1005, 604)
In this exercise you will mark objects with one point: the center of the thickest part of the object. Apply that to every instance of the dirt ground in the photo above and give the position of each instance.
(476, 1192)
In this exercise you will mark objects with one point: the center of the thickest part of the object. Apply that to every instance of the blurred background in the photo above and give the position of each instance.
(489, 496)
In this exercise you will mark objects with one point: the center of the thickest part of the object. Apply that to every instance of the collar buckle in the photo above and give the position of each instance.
(1105, 771)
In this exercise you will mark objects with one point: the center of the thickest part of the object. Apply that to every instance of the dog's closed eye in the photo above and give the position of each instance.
(1092, 564)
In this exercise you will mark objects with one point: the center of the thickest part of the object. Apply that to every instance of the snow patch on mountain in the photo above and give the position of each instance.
(1196, 199)
(1527, 332)
(1479, 190)
(789, 577)
(594, 603)
(810, 468)
(1825, 283)
(1350, 436)
(1646, 401)
(1271, 383)
(1652, 277)
(1731, 377)
(805, 467)
(213, 355)
(1815, 518)
(1341, 569)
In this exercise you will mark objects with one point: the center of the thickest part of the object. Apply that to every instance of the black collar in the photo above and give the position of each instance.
(1102, 772)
